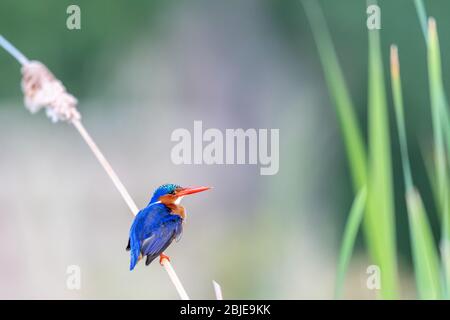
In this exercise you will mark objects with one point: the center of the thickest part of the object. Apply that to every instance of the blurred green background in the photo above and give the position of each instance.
(142, 69)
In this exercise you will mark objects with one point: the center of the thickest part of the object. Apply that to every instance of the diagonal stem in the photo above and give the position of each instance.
(13, 51)
(105, 164)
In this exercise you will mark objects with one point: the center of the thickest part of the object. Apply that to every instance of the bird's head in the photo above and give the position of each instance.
(173, 193)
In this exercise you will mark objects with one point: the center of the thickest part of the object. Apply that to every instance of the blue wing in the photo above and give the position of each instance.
(152, 231)
(161, 238)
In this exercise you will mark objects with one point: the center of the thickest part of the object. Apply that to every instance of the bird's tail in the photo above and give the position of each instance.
(134, 258)
(135, 252)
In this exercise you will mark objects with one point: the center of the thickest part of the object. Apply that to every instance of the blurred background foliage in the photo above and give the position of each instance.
(144, 68)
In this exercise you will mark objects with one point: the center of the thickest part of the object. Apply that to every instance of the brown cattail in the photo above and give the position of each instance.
(41, 89)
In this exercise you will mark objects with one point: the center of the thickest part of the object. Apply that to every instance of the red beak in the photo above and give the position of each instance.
(186, 191)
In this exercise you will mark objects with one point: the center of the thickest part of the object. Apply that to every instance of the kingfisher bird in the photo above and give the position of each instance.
(157, 225)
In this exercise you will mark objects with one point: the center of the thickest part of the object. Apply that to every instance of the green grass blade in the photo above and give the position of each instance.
(438, 112)
(400, 117)
(437, 106)
(380, 204)
(348, 242)
(421, 13)
(340, 95)
(425, 256)
(428, 162)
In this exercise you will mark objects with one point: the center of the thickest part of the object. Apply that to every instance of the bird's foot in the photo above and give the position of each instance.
(162, 256)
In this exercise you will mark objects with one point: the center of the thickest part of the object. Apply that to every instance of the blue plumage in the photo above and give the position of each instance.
(152, 231)
(157, 225)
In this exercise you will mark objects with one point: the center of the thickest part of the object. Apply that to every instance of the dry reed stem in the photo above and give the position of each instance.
(105, 164)
(217, 290)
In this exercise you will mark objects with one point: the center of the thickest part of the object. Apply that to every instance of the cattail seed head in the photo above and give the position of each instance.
(42, 90)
